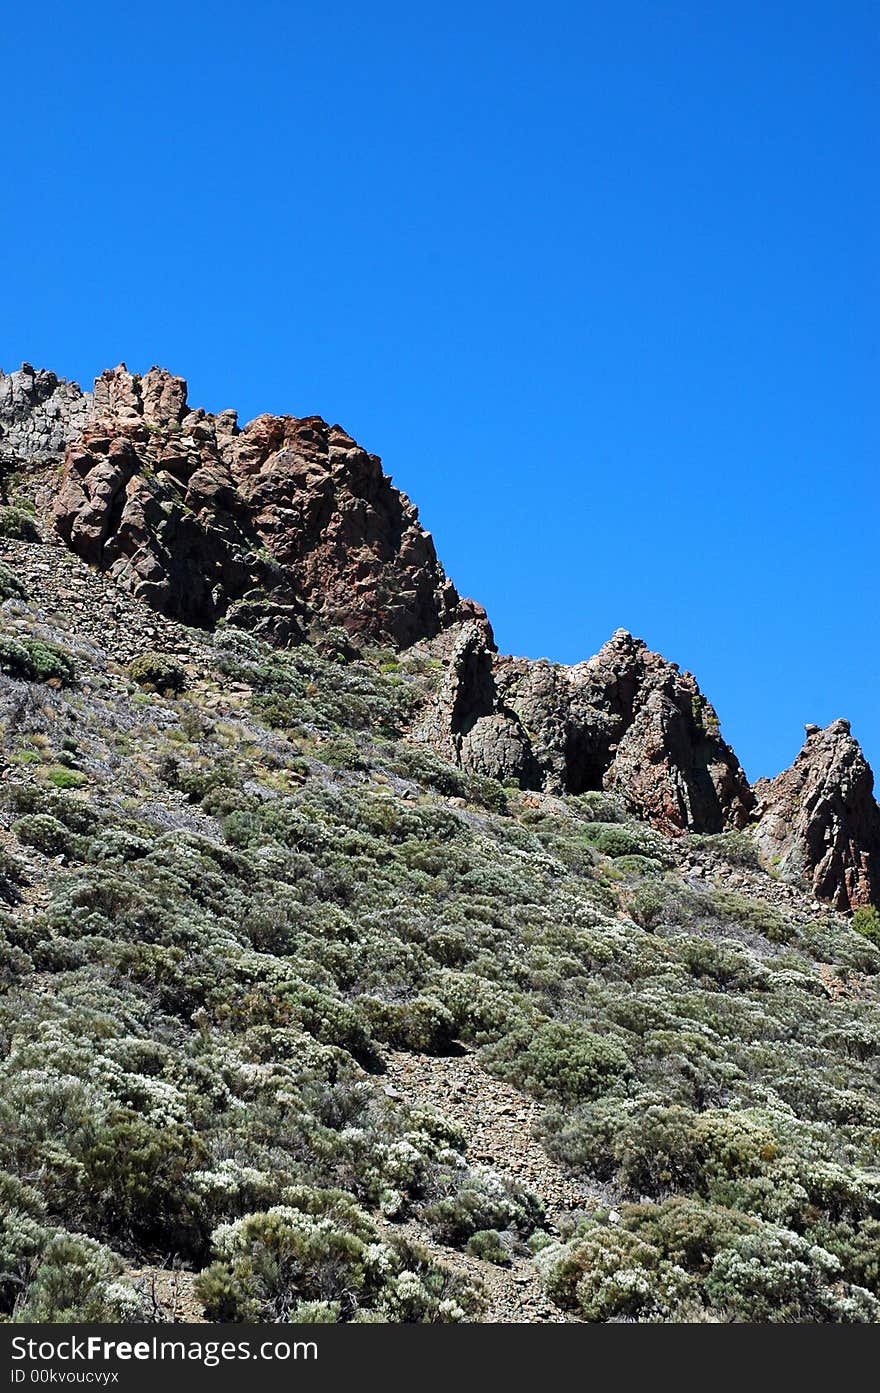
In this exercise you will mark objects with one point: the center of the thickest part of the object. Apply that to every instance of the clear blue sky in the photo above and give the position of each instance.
(598, 281)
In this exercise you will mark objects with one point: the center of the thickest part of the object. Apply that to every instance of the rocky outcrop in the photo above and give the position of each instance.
(286, 526)
(470, 723)
(39, 414)
(818, 823)
(626, 720)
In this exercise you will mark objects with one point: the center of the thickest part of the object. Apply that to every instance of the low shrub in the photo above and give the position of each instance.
(598, 806)
(17, 523)
(482, 1201)
(62, 777)
(34, 660)
(638, 866)
(11, 588)
(341, 752)
(776, 1276)
(689, 1232)
(46, 834)
(654, 1148)
(490, 1246)
(423, 765)
(52, 1276)
(158, 672)
(866, 921)
(736, 848)
(558, 1060)
(608, 1273)
(613, 840)
(423, 1025)
(319, 1247)
(12, 875)
(136, 1171)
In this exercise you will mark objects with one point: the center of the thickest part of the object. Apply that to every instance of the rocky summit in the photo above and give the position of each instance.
(351, 970)
(284, 527)
(288, 528)
(818, 823)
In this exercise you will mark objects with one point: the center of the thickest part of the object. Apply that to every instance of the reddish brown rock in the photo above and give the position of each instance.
(818, 822)
(329, 516)
(286, 527)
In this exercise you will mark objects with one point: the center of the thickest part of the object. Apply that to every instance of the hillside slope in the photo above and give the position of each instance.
(304, 1015)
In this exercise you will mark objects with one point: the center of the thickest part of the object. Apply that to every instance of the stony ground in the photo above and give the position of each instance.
(167, 1293)
(499, 1124)
(85, 602)
(498, 1121)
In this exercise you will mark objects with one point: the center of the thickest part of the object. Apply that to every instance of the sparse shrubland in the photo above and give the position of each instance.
(242, 911)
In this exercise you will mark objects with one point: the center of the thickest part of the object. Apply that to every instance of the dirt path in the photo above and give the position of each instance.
(499, 1124)
(167, 1294)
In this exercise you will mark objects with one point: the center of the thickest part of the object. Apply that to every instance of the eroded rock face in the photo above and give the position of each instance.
(285, 527)
(471, 725)
(818, 821)
(288, 527)
(39, 413)
(627, 720)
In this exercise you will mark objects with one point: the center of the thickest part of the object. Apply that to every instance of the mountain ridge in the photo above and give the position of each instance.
(305, 1015)
(286, 527)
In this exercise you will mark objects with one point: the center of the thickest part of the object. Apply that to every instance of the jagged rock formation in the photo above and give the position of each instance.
(39, 413)
(471, 725)
(147, 495)
(818, 821)
(288, 527)
(284, 526)
(627, 720)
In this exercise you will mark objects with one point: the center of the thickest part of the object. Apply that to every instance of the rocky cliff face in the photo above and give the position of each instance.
(285, 526)
(627, 720)
(39, 414)
(288, 527)
(818, 821)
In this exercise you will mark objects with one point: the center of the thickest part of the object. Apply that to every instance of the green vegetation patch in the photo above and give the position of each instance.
(35, 660)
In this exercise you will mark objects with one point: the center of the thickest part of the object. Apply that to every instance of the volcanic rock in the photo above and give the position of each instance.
(626, 720)
(818, 822)
(287, 526)
(39, 414)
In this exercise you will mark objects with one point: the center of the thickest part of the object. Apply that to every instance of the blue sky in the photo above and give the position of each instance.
(598, 282)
